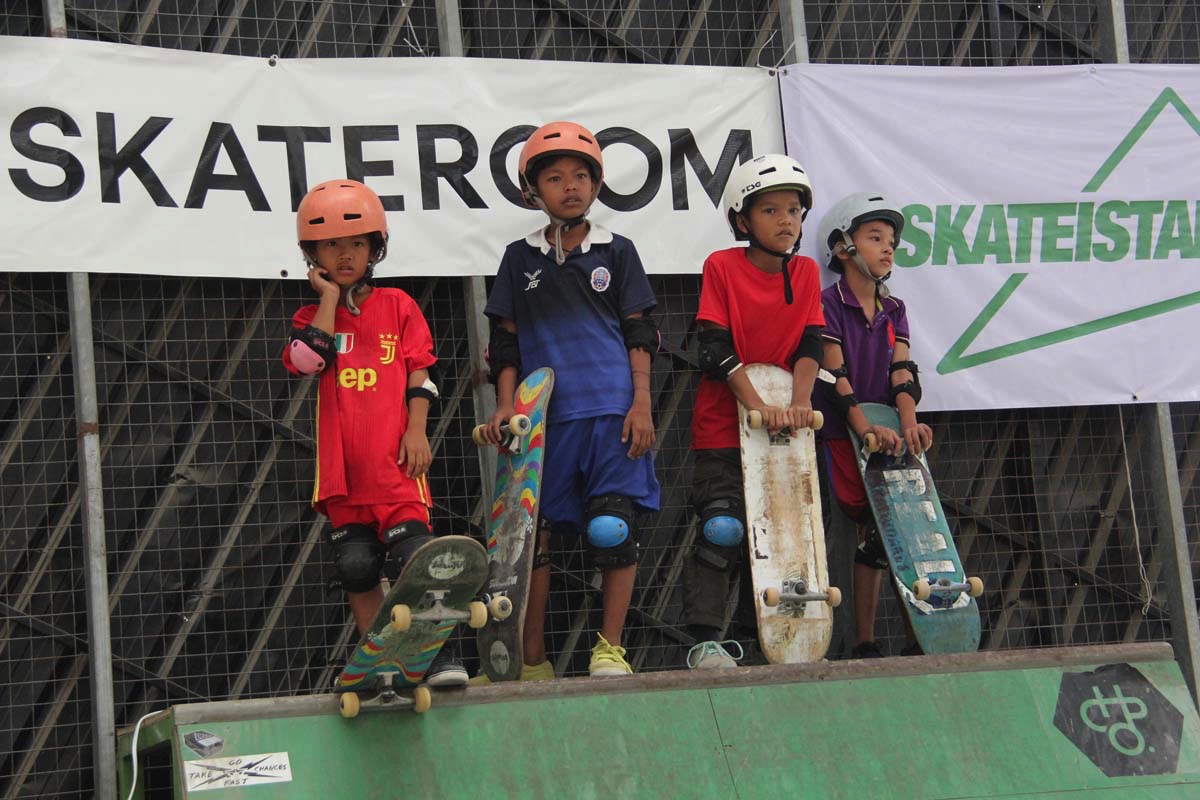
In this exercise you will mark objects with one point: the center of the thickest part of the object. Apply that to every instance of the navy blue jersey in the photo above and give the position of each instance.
(569, 317)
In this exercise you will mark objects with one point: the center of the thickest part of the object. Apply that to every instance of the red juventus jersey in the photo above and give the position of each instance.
(361, 411)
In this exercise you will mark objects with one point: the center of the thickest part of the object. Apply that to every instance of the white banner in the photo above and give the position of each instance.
(146, 160)
(1051, 251)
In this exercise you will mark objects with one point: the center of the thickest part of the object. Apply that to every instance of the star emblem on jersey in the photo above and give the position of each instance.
(533, 279)
(601, 278)
(388, 342)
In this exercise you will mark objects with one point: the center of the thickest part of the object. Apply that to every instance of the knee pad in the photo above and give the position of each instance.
(541, 545)
(870, 551)
(358, 557)
(722, 532)
(611, 532)
(401, 541)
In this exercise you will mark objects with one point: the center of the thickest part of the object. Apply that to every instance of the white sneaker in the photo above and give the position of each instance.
(713, 655)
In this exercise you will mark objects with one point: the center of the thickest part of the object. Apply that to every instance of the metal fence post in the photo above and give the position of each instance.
(1114, 36)
(95, 567)
(795, 34)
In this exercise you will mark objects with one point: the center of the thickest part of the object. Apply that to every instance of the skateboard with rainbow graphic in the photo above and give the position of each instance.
(512, 527)
(435, 590)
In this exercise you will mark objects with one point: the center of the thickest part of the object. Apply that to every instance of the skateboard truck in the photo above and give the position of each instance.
(512, 433)
(796, 592)
(437, 611)
(349, 703)
(923, 589)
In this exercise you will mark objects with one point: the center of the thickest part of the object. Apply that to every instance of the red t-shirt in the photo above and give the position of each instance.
(739, 296)
(361, 410)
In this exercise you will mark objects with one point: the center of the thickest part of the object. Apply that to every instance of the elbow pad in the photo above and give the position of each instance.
(911, 388)
(502, 351)
(718, 359)
(809, 347)
(641, 333)
(312, 350)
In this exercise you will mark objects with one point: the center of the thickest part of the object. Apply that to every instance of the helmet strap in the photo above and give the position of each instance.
(785, 260)
(559, 226)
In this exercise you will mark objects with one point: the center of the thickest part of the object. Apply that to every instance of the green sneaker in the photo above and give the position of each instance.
(713, 655)
(538, 672)
(608, 660)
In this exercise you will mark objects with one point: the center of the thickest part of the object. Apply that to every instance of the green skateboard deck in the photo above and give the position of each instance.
(433, 592)
(512, 528)
(934, 590)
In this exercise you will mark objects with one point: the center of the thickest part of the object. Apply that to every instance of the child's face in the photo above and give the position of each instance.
(344, 259)
(566, 187)
(774, 219)
(876, 243)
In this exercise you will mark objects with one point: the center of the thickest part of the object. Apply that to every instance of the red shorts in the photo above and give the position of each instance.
(380, 516)
(844, 475)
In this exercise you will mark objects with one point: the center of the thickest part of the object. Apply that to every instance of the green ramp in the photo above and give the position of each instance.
(1115, 723)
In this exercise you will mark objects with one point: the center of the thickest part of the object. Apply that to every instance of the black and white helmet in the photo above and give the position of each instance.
(840, 222)
(769, 173)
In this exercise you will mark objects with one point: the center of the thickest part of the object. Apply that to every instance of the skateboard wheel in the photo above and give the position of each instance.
(501, 607)
(818, 420)
(479, 615)
(348, 705)
(477, 435)
(771, 597)
(976, 586)
(835, 597)
(401, 618)
(921, 589)
(754, 419)
(871, 443)
(519, 425)
(422, 699)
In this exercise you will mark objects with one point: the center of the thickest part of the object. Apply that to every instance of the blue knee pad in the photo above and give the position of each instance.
(724, 531)
(611, 534)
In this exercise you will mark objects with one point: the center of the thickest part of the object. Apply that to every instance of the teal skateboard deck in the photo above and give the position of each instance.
(935, 592)
(512, 528)
(434, 591)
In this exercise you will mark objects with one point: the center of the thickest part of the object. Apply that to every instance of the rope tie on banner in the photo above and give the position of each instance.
(758, 55)
(1137, 539)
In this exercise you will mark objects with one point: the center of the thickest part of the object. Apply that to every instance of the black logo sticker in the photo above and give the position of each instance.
(1118, 719)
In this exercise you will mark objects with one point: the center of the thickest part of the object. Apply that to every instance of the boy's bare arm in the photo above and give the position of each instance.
(804, 375)
(856, 420)
(638, 429)
(330, 295)
(415, 452)
(917, 435)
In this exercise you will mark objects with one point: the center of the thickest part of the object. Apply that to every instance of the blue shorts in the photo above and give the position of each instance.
(586, 458)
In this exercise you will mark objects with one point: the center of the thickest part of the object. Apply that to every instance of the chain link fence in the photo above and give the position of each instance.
(218, 574)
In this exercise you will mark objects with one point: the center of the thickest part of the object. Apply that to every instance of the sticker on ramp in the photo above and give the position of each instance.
(235, 771)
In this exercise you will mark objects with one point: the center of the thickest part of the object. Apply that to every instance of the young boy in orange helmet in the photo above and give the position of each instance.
(574, 297)
(373, 351)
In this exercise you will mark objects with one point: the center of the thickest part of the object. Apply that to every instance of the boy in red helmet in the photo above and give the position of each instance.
(574, 297)
(373, 352)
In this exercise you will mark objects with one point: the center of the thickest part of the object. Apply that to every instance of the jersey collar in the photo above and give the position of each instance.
(597, 234)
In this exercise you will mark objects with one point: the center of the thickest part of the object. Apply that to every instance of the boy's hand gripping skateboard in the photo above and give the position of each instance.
(435, 589)
(936, 593)
(512, 529)
(792, 596)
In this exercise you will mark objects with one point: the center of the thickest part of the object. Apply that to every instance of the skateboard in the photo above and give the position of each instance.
(435, 589)
(792, 596)
(511, 538)
(934, 589)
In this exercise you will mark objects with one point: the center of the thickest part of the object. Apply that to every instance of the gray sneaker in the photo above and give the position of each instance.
(713, 655)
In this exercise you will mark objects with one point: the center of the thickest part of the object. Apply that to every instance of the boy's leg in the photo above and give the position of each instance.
(617, 590)
(533, 639)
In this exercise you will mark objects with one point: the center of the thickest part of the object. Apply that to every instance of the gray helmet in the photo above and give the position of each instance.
(840, 222)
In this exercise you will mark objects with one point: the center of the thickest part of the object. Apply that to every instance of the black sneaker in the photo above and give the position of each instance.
(446, 671)
(866, 650)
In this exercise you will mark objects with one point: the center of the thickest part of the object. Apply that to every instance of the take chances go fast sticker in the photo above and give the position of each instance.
(234, 771)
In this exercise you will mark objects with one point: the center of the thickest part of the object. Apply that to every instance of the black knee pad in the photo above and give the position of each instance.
(405, 539)
(541, 552)
(358, 557)
(612, 531)
(870, 551)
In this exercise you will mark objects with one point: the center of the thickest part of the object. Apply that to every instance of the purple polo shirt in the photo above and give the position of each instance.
(867, 348)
